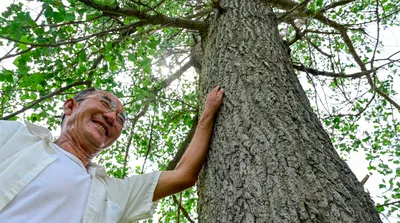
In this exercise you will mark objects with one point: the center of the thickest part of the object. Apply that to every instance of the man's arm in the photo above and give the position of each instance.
(186, 173)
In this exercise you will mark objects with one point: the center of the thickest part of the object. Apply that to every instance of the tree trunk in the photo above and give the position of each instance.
(270, 159)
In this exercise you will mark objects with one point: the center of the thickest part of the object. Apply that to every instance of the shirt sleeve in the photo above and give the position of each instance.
(134, 196)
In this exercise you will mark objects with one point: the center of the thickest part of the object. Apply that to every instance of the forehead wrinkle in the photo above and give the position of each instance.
(109, 96)
(109, 99)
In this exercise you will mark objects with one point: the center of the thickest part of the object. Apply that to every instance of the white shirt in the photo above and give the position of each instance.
(26, 152)
(59, 190)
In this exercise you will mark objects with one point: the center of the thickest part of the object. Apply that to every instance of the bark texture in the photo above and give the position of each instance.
(270, 159)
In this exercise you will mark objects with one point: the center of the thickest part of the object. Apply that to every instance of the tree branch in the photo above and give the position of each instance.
(288, 4)
(331, 74)
(95, 64)
(283, 4)
(296, 7)
(178, 155)
(335, 4)
(387, 204)
(134, 122)
(15, 54)
(371, 21)
(377, 33)
(364, 180)
(102, 33)
(46, 97)
(184, 212)
(157, 19)
(179, 210)
(165, 83)
(317, 48)
(148, 146)
(201, 13)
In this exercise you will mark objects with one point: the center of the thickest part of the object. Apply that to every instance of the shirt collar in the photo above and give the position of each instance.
(40, 131)
(94, 168)
(45, 134)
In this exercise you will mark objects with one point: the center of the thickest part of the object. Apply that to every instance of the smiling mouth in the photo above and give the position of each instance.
(101, 127)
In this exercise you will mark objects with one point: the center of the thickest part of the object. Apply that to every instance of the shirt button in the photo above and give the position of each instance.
(27, 177)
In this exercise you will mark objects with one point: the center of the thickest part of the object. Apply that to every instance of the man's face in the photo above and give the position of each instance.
(96, 121)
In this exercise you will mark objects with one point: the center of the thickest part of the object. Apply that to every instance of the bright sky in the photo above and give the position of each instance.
(357, 161)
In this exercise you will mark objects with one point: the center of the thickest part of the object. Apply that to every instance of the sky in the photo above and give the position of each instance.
(358, 164)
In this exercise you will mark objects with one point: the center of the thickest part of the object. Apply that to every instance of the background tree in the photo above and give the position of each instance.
(143, 50)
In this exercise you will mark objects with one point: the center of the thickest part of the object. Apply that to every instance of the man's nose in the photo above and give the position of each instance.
(110, 117)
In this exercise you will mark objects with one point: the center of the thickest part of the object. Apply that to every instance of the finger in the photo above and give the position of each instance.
(216, 89)
(221, 92)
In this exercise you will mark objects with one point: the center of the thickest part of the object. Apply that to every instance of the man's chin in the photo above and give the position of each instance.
(96, 140)
(100, 144)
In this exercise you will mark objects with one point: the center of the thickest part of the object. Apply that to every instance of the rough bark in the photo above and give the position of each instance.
(270, 159)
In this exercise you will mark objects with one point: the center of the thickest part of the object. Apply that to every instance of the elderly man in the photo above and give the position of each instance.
(42, 181)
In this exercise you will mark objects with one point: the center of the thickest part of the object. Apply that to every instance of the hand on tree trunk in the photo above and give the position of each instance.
(213, 101)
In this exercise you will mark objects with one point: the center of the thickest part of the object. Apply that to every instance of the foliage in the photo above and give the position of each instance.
(140, 51)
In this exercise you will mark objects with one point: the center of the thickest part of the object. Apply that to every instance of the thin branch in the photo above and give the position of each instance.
(299, 35)
(73, 41)
(150, 8)
(331, 74)
(388, 58)
(288, 4)
(178, 217)
(177, 116)
(157, 19)
(131, 134)
(377, 33)
(65, 23)
(167, 81)
(321, 32)
(387, 204)
(389, 99)
(335, 4)
(45, 97)
(148, 146)
(184, 212)
(178, 155)
(351, 102)
(284, 4)
(364, 180)
(40, 14)
(371, 21)
(317, 48)
(294, 8)
(94, 65)
(15, 54)
(201, 13)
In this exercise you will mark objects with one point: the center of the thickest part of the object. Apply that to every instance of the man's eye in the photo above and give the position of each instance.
(106, 104)
(120, 120)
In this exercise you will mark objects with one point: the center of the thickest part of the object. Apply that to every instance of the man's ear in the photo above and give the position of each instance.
(69, 106)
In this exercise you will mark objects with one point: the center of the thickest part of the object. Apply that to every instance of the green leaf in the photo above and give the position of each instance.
(37, 78)
(69, 17)
(132, 57)
(22, 46)
(48, 12)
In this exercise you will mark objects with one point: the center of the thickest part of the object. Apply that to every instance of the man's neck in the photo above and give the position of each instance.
(76, 150)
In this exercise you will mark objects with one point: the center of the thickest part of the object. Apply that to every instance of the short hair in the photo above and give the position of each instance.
(78, 97)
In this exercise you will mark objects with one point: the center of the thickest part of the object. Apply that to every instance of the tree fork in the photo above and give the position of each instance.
(270, 159)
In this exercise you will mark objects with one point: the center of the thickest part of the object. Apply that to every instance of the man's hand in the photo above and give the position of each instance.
(214, 101)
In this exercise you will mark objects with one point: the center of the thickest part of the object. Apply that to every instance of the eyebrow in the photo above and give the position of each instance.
(114, 105)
